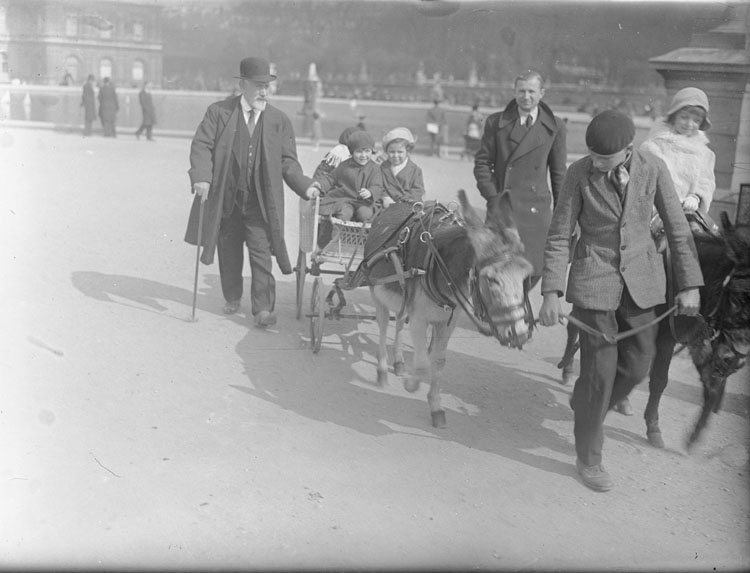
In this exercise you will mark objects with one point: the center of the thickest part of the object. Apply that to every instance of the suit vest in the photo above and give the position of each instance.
(241, 189)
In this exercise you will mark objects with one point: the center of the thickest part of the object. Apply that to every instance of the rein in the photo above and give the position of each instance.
(615, 338)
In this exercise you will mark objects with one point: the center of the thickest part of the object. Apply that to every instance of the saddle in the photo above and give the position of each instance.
(701, 225)
(396, 247)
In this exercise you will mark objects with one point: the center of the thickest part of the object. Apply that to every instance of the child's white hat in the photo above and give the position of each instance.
(398, 133)
(688, 97)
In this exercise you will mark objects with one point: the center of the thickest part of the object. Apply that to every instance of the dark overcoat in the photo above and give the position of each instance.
(108, 103)
(515, 160)
(88, 102)
(147, 107)
(211, 162)
(615, 249)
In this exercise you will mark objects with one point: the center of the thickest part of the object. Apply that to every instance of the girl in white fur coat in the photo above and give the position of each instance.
(681, 142)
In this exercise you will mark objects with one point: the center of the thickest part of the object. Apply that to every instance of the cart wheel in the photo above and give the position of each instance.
(301, 272)
(317, 314)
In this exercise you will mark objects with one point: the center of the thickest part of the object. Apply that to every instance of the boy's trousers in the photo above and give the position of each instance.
(608, 371)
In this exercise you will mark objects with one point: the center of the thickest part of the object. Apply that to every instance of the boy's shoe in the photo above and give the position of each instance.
(595, 477)
(231, 306)
(265, 318)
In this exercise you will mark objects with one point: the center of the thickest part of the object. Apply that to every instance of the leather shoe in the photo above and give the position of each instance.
(624, 407)
(231, 306)
(594, 477)
(265, 318)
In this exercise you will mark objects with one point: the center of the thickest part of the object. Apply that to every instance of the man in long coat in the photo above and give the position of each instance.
(88, 103)
(520, 145)
(242, 153)
(108, 108)
(148, 112)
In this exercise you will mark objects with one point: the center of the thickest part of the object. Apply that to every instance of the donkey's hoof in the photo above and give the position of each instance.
(382, 378)
(568, 376)
(438, 419)
(654, 438)
(399, 368)
(411, 384)
(624, 407)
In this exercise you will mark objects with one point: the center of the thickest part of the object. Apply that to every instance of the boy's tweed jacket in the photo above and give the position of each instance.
(615, 248)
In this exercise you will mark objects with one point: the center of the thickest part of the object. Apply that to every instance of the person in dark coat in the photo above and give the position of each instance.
(616, 278)
(148, 112)
(88, 103)
(243, 152)
(108, 107)
(520, 145)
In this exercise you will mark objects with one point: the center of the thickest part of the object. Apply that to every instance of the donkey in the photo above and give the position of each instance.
(718, 339)
(427, 268)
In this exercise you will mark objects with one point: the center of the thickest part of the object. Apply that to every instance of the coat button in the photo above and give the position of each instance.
(534, 210)
(622, 248)
(622, 269)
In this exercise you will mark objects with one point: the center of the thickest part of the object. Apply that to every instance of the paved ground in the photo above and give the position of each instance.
(134, 437)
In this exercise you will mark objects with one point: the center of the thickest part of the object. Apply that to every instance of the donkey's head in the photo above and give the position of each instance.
(501, 271)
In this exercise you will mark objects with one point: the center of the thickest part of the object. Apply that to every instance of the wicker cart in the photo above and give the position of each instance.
(340, 257)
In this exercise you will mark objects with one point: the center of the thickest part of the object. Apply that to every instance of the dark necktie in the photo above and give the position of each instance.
(620, 177)
(251, 122)
(529, 122)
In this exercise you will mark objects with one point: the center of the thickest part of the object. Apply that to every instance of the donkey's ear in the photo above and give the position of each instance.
(469, 213)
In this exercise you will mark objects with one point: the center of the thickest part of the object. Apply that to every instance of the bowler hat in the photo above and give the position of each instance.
(256, 69)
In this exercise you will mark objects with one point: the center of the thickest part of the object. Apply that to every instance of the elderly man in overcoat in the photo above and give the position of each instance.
(242, 153)
(520, 145)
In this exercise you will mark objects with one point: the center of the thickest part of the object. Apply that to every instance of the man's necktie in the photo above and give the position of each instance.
(251, 122)
(620, 177)
(529, 122)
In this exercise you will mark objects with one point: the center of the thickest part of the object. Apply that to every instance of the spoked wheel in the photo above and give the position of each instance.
(317, 314)
(301, 272)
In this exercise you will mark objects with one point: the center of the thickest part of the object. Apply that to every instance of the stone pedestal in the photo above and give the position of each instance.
(718, 62)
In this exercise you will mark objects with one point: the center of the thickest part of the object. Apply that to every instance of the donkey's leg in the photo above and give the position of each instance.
(571, 347)
(418, 330)
(657, 382)
(441, 333)
(382, 315)
(398, 350)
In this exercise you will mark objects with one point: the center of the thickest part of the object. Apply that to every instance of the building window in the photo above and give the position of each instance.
(138, 31)
(105, 33)
(72, 68)
(138, 71)
(105, 68)
(71, 26)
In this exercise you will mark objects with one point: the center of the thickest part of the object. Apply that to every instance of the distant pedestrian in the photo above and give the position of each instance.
(317, 129)
(435, 127)
(149, 113)
(473, 132)
(108, 108)
(88, 103)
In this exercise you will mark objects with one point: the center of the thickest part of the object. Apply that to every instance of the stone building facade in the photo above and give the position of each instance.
(61, 42)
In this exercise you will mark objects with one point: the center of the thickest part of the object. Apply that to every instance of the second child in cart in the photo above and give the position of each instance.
(402, 178)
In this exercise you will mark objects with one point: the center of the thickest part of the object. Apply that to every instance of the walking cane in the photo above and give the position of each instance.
(198, 252)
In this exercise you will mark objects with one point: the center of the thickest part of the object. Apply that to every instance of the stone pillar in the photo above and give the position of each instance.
(718, 62)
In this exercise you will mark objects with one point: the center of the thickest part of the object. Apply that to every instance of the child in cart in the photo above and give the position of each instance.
(353, 190)
(402, 178)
